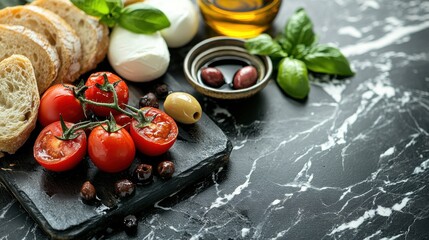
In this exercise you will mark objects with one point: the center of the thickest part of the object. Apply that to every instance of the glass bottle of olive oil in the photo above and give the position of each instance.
(239, 18)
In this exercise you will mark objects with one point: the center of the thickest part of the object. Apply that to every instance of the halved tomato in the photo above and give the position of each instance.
(59, 155)
(156, 137)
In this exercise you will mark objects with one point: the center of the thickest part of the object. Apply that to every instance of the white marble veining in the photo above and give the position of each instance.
(386, 40)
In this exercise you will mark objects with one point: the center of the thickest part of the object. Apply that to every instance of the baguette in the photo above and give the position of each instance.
(19, 102)
(44, 57)
(56, 31)
(92, 34)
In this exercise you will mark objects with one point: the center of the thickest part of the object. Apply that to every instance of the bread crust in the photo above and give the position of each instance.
(103, 44)
(55, 29)
(93, 35)
(44, 57)
(19, 119)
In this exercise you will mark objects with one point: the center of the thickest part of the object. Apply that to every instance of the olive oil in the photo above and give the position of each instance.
(239, 18)
(228, 65)
(239, 6)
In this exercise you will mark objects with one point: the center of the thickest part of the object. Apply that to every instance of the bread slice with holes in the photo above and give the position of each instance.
(56, 31)
(93, 35)
(19, 102)
(44, 57)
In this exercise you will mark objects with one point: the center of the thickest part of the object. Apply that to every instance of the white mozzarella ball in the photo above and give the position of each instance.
(184, 18)
(138, 57)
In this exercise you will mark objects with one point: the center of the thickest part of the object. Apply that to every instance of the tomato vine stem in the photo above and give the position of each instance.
(71, 133)
(133, 112)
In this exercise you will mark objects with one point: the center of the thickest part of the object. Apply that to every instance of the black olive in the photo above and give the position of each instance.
(166, 169)
(149, 100)
(212, 77)
(245, 77)
(143, 173)
(161, 90)
(130, 224)
(124, 188)
(87, 192)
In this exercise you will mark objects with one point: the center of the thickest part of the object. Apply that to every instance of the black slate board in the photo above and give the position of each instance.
(52, 199)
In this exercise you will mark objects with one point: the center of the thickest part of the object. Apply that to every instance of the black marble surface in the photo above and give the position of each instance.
(351, 162)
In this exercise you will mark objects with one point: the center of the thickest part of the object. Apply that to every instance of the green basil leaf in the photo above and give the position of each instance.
(299, 29)
(112, 4)
(109, 20)
(9, 3)
(115, 8)
(327, 59)
(142, 18)
(292, 77)
(285, 44)
(300, 51)
(264, 45)
(97, 8)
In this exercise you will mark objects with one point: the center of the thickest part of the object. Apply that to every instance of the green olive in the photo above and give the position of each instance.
(183, 107)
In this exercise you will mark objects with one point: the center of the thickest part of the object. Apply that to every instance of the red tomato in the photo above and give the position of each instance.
(95, 94)
(156, 138)
(59, 100)
(59, 155)
(111, 152)
(123, 121)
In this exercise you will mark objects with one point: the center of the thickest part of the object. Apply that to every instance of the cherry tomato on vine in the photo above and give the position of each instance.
(59, 100)
(96, 94)
(111, 151)
(157, 137)
(123, 121)
(59, 155)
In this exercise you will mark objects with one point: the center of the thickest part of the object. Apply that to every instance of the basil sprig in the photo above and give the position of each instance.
(295, 51)
(294, 78)
(138, 18)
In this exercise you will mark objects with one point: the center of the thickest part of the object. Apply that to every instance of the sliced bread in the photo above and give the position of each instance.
(19, 102)
(93, 35)
(44, 57)
(56, 31)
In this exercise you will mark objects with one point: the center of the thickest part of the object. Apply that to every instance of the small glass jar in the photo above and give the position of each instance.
(239, 18)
